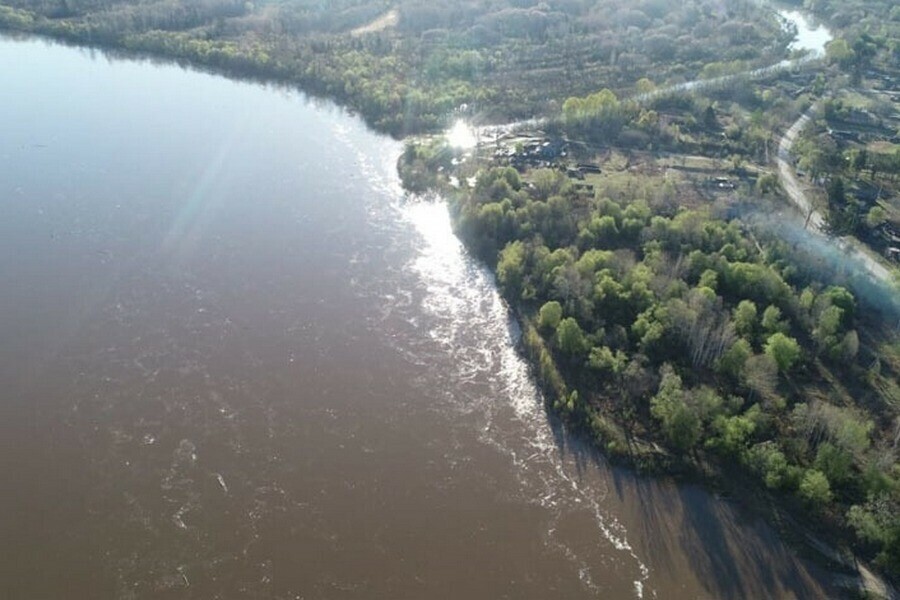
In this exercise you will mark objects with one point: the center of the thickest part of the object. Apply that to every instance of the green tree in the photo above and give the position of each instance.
(550, 315)
(745, 318)
(838, 52)
(732, 433)
(511, 269)
(784, 350)
(770, 463)
(827, 332)
(849, 347)
(548, 182)
(732, 362)
(814, 489)
(570, 337)
(877, 522)
(602, 358)
(771, 320)
(681, 426)
(875, 217)
(709, 279)
(834, 462)
(644, 86)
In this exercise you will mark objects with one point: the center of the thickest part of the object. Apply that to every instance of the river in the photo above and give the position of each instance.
(239, 363)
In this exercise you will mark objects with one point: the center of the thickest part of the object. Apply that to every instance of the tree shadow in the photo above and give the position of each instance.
(676, 526)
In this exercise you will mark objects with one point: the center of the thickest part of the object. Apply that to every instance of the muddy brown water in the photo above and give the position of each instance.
(237, 363)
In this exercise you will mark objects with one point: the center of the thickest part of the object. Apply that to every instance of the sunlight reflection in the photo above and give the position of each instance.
(462, 136)
(443, 256)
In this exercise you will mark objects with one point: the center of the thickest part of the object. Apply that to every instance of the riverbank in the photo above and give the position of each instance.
(258, 302)
(661, 371)
(413, 70)
(569, 397)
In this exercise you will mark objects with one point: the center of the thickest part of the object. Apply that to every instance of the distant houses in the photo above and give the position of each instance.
(537, 153)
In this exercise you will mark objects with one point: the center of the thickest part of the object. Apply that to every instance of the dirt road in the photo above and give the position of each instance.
(815, 222)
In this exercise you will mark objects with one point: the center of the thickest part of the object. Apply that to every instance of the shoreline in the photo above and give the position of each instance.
(236, 72)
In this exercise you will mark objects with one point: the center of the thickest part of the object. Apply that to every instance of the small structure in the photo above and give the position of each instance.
(721, 183)
(538, 153)
(844, 135)
(574, 173)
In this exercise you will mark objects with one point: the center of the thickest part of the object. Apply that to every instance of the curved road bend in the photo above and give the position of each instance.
(815, 222)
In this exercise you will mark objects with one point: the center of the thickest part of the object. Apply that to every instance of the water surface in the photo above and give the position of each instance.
(238, 363)
(811, 36)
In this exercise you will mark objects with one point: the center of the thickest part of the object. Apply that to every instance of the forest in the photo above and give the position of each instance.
(406, 66)
(686, 331)
(653, 325)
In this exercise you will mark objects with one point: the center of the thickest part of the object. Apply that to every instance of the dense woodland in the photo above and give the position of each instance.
(697, 336)
(503, 59)
(649, 322)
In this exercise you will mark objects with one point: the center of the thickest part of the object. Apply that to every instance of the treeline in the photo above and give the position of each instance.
(737, 121)
(649, 322)
(505, 59)
(870, 31)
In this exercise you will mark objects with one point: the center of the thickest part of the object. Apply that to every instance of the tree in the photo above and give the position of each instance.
(732, 362)
(877, 522)
(859, 159)
(875, 217)
(770, 463)
(784, 350)
(596, 116)
(842, 298)
(550, 315)
(602, 358)
(709, 279)
(815, 489)
(834, 462)
(767, 183)
(837, 195)
(732, 433)
(838, 52)
(681, 426)
(644, 86)
(761, 375)
(745, 318)
(849, 346)
(771, 320)
(570, 337)
(828, 330)
(709, 118)
(548, 182)
(511, 269)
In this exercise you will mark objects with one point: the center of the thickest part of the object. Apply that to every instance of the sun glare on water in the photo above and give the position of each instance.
(461, 136)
